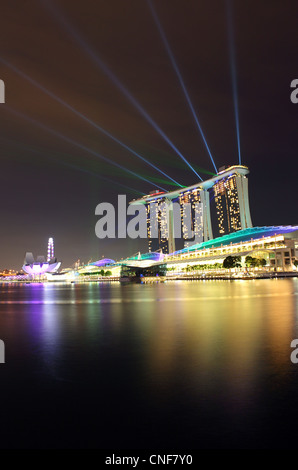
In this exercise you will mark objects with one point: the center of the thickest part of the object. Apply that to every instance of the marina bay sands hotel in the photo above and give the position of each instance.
(229, 191)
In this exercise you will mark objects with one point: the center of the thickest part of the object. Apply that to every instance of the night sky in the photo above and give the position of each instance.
(50, 187)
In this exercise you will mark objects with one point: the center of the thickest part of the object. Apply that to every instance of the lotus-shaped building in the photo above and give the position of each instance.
(40, 266)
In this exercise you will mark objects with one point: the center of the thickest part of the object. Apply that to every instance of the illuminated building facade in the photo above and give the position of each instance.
(195, 216)
(277, 245)
(232, 205)
(160, 230)
(230, 190)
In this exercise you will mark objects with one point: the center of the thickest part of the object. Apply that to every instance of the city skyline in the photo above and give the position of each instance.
(149, 231)
(52, 186)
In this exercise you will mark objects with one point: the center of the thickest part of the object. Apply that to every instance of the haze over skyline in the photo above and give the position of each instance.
(51, 187)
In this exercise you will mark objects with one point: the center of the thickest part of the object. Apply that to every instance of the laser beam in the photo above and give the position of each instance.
(184, 89)
(82, 147)
(85, 118)
(106, 70)
(104, 178)
(70, 165)
(233, 72)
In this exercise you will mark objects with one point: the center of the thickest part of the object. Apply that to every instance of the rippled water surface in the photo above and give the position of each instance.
(177, 365)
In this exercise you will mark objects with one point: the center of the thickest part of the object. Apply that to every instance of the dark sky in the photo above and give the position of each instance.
(50, 187)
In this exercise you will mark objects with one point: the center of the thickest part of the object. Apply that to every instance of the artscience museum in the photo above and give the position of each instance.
(40, 266)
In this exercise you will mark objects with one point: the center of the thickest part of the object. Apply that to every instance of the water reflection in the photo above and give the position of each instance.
(199, 344)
